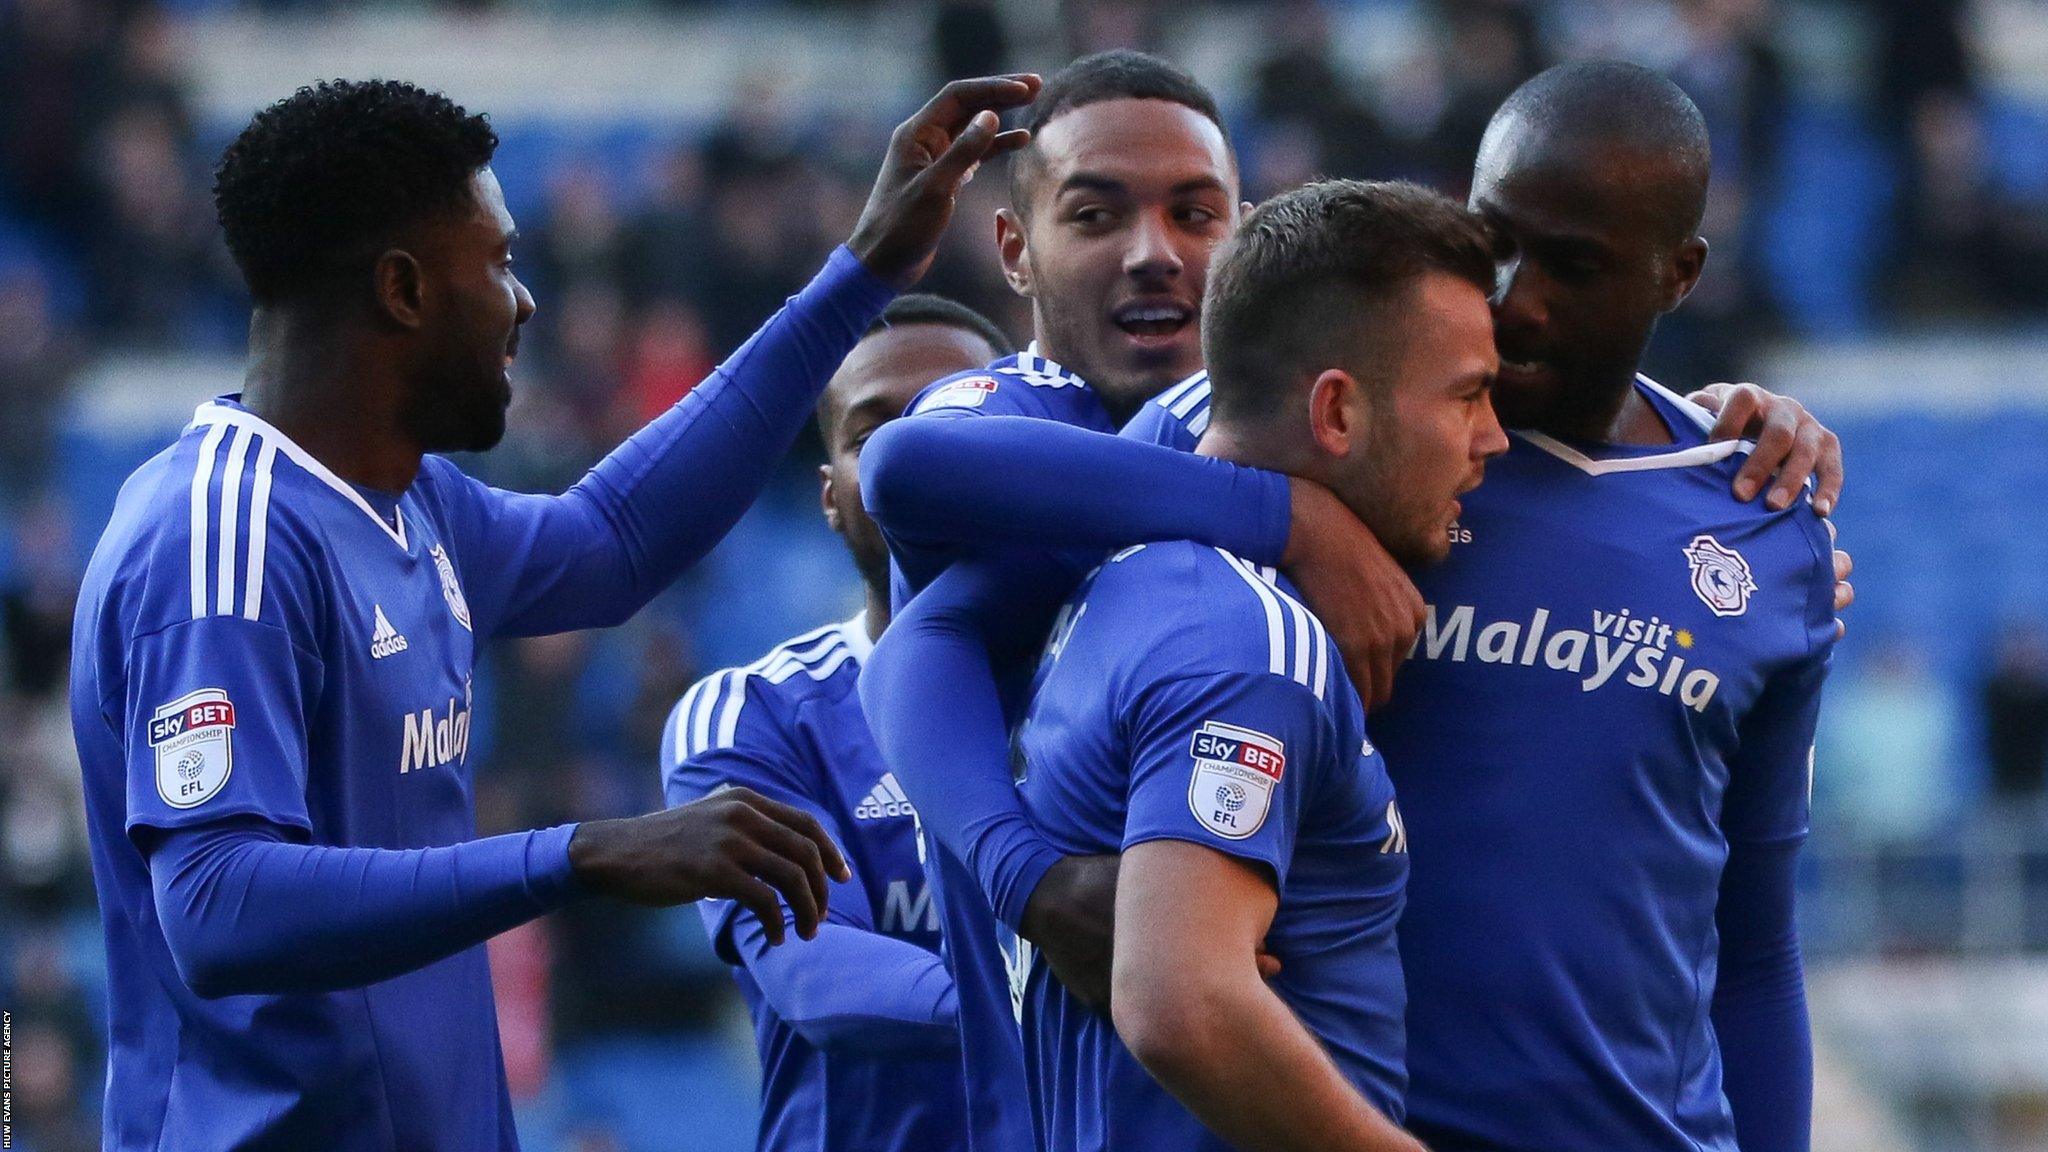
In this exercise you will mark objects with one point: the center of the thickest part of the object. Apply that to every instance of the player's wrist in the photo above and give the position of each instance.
(592, 853)
(1310, 506)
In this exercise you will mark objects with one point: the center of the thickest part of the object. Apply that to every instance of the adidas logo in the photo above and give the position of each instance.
(885, 799)
(385, 641)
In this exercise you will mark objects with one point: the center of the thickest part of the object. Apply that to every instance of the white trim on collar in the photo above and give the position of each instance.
(855, 633)
(214, 412)
(1683, 458)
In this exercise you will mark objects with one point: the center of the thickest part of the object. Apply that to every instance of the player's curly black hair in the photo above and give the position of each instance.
(320, 181)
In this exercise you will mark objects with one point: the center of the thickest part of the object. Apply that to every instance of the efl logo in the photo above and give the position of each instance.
(1236, 769)
(193, 737)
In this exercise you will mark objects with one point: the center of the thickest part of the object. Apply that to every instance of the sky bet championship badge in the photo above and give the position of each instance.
(1236, 770)
(193, 737)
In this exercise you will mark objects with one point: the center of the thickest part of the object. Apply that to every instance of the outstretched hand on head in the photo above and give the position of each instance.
(931, 157)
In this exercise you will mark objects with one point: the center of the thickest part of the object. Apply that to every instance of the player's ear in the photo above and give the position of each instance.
(401, 290)
(1337, 412)
(825, 496)
(1686, 265)
(1016, 256)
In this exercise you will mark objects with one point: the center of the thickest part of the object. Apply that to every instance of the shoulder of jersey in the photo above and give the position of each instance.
(1214, 611)
(972, 388)
(207, 524)
(1720, 455)
(818, 663)
(1187, 404)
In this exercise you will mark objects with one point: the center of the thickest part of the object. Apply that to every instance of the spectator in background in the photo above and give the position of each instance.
(1965, 250)
(1310, 108)
(1723, 56)
(1885, 769)
(156, 260)
(2015, 713)
(667, 238)
(581, 239)
(55, 59)
(37, 358)
(1489, 48)
(968, 39)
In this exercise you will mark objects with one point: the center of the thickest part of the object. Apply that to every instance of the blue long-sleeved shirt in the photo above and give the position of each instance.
(858, 1029)
(259, 643)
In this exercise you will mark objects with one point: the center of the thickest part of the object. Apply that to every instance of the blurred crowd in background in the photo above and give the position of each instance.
(650, 267)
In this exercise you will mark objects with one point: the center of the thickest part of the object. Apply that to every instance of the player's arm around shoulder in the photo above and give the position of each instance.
(919, 474)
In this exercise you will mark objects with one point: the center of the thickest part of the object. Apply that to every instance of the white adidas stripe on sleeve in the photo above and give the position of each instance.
(202, 477)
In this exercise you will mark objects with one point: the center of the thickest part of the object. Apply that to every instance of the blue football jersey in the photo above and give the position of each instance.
(1189, 695)
(1620, 672)
(258, 638)
(790, 727)
(1176, 418)
(979, 951)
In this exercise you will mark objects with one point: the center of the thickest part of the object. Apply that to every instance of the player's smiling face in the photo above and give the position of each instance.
(1587, 265)
(874, 384)
(474, 307)
(1128, 201)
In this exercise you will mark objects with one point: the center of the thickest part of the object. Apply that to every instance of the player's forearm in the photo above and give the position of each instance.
(246, 912)
(851, 990)
(676, 487)
(1205, 1036)
(932, 701)
(1010, 480)
(1759, 1009)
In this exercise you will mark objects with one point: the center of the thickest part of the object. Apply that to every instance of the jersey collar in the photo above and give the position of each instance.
(1666, 399)
(1032, 362)
(228, 410)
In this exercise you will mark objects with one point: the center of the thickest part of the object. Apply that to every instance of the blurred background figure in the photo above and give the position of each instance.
(1879, 231)
(2014, 699)
(1889, 736)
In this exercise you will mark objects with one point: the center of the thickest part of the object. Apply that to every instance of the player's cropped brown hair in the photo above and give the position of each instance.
(1310, 278)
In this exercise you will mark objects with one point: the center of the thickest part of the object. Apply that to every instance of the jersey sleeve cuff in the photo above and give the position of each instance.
(549, 877)
(1033, 861)
(1275, 517)
(850, 289)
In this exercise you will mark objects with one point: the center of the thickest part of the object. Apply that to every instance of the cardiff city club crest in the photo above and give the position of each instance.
(1720, 576)
(450, 590)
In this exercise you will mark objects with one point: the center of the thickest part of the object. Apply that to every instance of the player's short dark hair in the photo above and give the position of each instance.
(920, 308)
(926, 308)
(1119, 74)
(1304, 284)
(1614, 103)
(319, 182)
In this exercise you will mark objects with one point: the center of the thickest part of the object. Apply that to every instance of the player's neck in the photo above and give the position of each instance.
(318, 387)
(877, 609)
(1623, 418)
(1255, 448)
